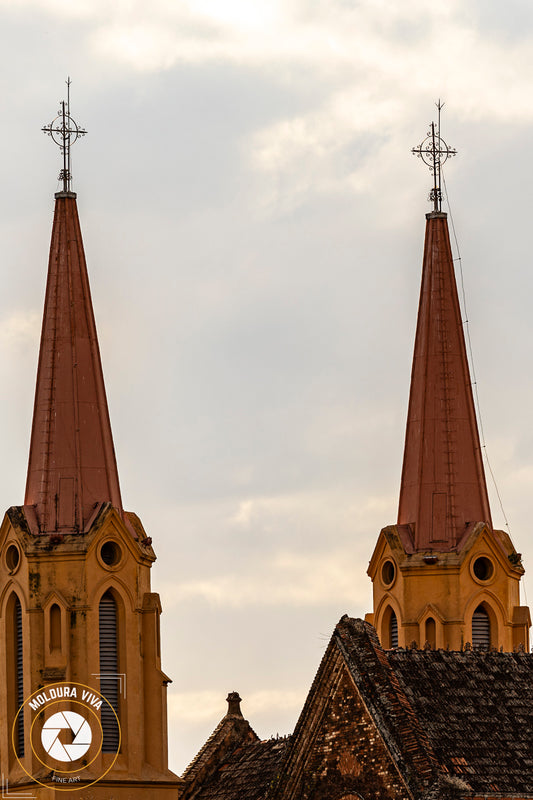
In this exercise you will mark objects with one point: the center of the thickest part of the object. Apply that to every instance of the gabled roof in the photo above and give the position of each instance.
(72, 465)
(443, 487)
(355, 648)
(447, 724)
(232, 758)
(447, 719)
(232, 731)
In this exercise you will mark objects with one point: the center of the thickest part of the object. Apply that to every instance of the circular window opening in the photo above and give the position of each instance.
(388, 572)
(110, 553)
(12, 557)
(483, 568)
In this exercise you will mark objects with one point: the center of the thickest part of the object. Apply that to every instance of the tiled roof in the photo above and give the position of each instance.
(451, 722)
(247, 772)
(476, 709)
(232, 731)
(228, 729)
(445, 716)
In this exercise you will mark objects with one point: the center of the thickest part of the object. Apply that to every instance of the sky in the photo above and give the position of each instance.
(253, 222)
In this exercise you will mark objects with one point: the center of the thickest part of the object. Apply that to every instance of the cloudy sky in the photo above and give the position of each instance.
(253, 222)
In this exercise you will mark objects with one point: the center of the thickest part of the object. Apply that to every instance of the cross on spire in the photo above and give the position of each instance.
(64, 132)
(434, 152)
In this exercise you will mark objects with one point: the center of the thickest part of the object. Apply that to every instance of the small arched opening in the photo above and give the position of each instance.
(431, 632)
(481, 628)
(389, 629)
(55, 627)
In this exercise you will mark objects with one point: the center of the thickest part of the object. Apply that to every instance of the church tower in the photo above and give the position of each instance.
(443, 575)
(82, 693)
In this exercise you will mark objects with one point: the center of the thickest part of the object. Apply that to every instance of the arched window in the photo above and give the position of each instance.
(389, 629)
(109, 680)
(55, 627)
(480, 628)
(393, 627)
(431, 633)
(19, 674)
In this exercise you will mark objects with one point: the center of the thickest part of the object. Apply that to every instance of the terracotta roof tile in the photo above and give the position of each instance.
(247, 772)
(477, 712)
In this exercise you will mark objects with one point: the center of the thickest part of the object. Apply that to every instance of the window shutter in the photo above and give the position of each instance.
(393, 629)
(480, 628)
(109, 681)
(19, 671)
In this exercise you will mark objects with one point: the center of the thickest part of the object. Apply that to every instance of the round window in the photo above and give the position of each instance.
(12, 557)
(388, 572)
(483, 568)
(110, 553)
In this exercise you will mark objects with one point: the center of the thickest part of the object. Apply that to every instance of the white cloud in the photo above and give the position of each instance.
(199, 706)
(365, 42)
(289, 579)
(243, 516)
(143, 47)
(84, 9)
(239, 14)
(297, 157)
(349, 42)
(20, 328)
(194, 706)
(276, 574)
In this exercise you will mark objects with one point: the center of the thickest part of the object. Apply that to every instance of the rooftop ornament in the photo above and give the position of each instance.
(434, 152)
(64, 132)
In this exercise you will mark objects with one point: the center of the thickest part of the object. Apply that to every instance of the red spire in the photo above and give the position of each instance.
(443, 485)
(72, 466)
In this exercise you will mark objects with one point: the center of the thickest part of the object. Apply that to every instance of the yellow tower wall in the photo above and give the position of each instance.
(68, 571)
(434, 594)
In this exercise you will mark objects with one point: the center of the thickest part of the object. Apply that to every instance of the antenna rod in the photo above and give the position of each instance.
(436, 193)
(69, 172)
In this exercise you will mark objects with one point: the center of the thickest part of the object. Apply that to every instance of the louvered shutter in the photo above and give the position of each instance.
(393, 630)
(109, 682)
(480, 628)
(19, 676)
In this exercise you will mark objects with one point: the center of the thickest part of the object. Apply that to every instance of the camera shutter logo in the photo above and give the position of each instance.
(66, 720)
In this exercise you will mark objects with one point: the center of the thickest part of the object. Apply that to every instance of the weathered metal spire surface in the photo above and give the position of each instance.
(72, 466)
(443, 486)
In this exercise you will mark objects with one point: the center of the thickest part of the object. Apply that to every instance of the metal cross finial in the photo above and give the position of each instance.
(434, 152)
(64, 131)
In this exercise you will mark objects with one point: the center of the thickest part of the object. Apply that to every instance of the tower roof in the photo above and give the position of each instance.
(72, 466)
(443, 486)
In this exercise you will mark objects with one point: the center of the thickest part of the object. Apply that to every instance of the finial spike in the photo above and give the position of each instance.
(434, 152)
(64, 131)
